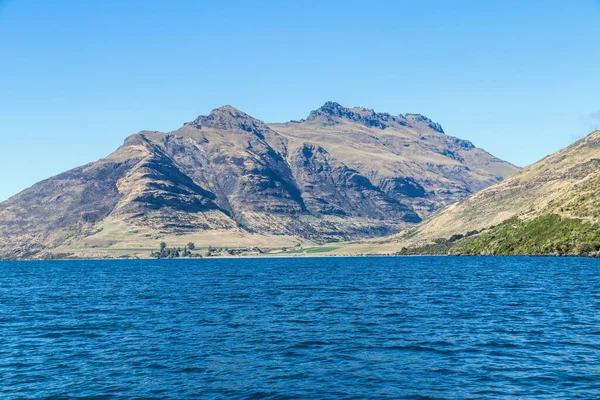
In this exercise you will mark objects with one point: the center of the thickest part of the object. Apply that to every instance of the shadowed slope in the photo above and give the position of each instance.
(227, 177)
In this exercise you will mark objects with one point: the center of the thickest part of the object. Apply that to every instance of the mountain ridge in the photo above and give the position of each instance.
(331, 110)
(226, 177)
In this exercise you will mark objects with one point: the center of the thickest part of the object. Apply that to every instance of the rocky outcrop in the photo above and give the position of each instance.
(330, 187)
(408, 157)
(343, 173)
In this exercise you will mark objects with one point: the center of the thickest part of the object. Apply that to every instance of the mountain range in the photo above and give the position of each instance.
(228, 179)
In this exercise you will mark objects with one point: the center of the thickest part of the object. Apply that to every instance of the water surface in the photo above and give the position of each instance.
(415, 327)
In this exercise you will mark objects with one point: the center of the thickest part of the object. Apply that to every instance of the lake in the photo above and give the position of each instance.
(377, 327)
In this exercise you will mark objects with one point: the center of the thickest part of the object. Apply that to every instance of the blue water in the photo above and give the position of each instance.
(431, 327)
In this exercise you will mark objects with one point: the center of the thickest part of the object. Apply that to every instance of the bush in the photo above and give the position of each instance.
(544, 235)
(456, 237)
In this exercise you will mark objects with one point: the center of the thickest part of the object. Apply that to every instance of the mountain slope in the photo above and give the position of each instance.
(549, 207)
(409, 157)
(228, 179)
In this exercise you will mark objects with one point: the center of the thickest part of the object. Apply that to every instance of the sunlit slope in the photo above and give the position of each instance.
(228, 179)
(552, 201)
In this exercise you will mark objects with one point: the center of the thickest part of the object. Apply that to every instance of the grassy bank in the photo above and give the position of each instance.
(544, 235)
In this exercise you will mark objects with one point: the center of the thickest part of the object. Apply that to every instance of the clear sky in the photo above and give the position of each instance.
(520, 78)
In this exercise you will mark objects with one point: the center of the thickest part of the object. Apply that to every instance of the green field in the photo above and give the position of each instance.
(312, 250)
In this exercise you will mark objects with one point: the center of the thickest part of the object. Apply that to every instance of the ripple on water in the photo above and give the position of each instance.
(437, 327)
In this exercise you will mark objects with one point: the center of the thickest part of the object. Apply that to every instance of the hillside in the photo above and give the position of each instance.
(550, 207)
(228, 179)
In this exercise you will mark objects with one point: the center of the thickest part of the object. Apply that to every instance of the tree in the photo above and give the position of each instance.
(455, 237)
(163, 250)
(191, 246)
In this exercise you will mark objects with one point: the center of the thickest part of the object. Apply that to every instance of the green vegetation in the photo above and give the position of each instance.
(175, 252)
(57, 256)
(312, 250)
(320, 250)
(440, 246)
(544, 235)
(210, 251)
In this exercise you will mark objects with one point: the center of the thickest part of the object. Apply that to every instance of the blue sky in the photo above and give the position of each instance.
(518, 78)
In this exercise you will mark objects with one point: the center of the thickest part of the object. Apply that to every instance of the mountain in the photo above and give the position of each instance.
(409, 157)
(550, 207)
(228, 179)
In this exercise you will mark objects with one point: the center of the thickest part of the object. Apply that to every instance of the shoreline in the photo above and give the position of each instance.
(298, 256)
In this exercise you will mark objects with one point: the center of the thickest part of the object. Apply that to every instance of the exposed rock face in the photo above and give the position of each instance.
(340, 174)
(332, 188)
(408, 157)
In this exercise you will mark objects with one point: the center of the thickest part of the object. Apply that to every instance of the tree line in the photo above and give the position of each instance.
(175, 252)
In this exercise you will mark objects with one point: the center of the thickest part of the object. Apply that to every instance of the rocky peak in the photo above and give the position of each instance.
(229, 118)
(332, 113)
(329, 109)
(421, 119)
